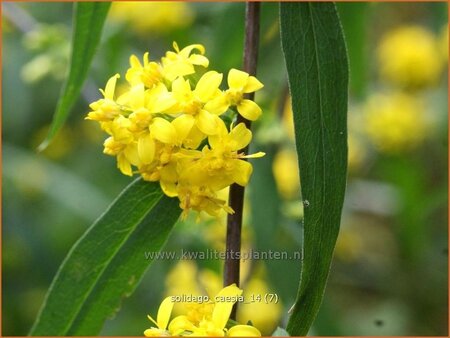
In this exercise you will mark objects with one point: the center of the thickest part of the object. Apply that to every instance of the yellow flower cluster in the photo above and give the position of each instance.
(152, 16)
(410, 56)
(207, 319)
(395, 122)
(167, 125)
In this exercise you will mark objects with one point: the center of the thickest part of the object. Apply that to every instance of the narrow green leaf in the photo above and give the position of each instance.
(127, 268)
(91, 257)
(316, 61)
(87, 28)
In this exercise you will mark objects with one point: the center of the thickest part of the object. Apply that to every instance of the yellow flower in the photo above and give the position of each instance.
(395, 122)
(288, 118)
(122, 145)
(264, 316)
(192, 102)
(285, 171)
(150, 73)
(221, 164)
(409, 56)
(207, 319)
(199, 198)
(182, 62)
(158, 123)
(105, 109)
(239, 83)
(162, 320)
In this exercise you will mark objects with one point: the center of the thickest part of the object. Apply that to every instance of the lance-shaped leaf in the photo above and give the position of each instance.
(127, 268)
(103, 265)
(88, 21)
(316, 61)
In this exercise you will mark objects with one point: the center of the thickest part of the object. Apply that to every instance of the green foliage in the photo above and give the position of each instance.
(88, 24)
(316, 61)
(107, 262)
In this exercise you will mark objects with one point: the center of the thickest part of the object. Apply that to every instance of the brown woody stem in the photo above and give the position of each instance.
(236, 196)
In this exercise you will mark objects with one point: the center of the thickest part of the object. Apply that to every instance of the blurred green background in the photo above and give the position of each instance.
(389, 275)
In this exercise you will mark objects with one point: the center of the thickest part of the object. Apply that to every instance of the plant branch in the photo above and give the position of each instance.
(236, 196)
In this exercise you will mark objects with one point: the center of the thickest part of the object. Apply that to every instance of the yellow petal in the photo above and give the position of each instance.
(180, 88)
(217, 139)
(243, 331)
(169, 172)
(242, 172)
(195, 137)
(131, 153)
(146, 149)
(146, 56)
(252, 85)
(169, 188)
(237, 79)
(199, 60)
(163, 131)
(124, 165)
(164, 312)
(180, 324)
(207, 85)
(249, 109)
(218, 105)
(155, 332)
(111, 87)
(183, 125)
(174, 69)
(135, 97)
(159, 98)
(207, 123)
(222, 309)
(188, 49)
(134, 61)
(241, 136)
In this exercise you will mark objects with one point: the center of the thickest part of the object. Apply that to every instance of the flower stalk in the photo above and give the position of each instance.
(236, 195)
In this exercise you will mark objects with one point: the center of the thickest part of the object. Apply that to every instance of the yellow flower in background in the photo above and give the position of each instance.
(356, 151)
(409, 56)
(203, 319)
(349, 245)
(286, 173)
(288, 118)
(395, 122)
(158, 123)
(65, 142)
(263, 316)
(145, 17)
